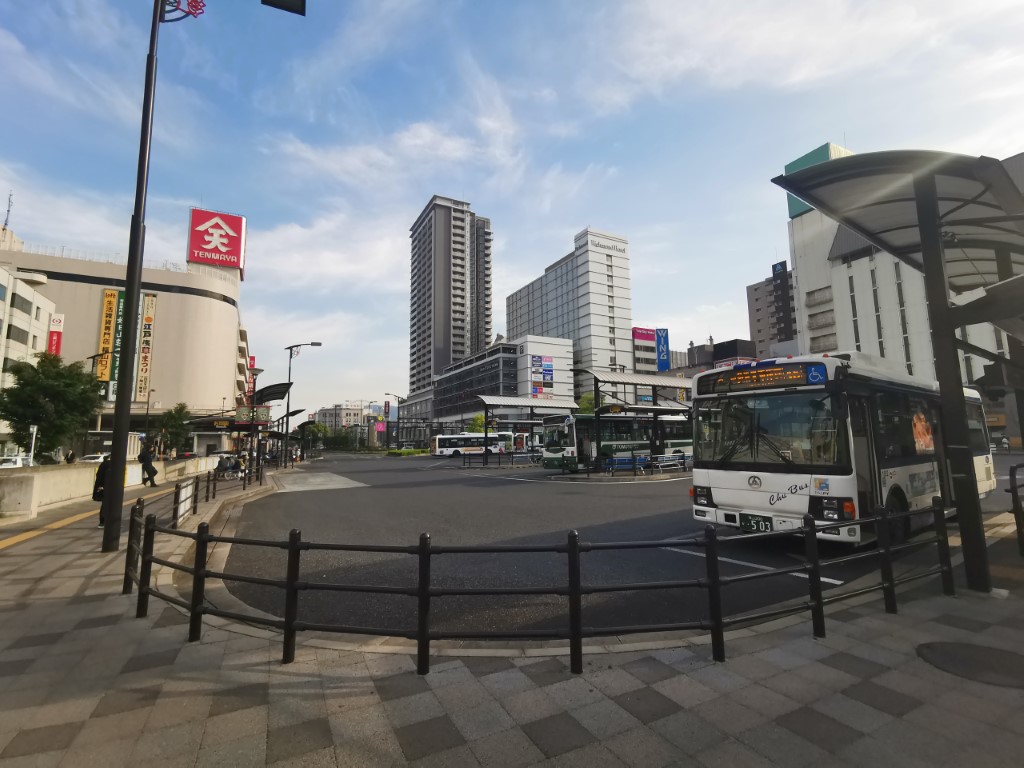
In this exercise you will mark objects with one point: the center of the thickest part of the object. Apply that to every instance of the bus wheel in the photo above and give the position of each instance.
(899, 530)
(456, 453)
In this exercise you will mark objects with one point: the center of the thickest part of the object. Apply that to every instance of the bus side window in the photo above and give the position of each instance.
(896, 437)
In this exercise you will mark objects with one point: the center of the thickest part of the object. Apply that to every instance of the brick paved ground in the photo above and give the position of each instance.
(83, 682)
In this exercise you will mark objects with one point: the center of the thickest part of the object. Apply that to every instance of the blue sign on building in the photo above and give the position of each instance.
(661, 345)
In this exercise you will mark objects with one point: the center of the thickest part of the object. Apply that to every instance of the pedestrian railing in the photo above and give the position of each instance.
(141, 557)
(1018, 512)
(494, 460)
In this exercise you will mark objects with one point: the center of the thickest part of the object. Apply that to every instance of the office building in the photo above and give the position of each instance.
(848, 295)
(26, 317)
(449, 293)
(585, 297)
(772, 313)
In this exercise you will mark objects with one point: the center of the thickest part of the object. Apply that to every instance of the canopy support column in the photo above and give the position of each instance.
(947, 372)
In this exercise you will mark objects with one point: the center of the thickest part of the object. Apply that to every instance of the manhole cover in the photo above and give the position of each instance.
(979, 663)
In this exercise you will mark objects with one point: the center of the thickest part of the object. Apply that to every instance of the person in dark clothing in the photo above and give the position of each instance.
(148, 470)
(99, 483)
(70, 457)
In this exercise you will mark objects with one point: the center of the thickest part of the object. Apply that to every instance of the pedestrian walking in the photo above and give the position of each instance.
(99, 483)
(1006, 444)
(148, 470)
(69, 457)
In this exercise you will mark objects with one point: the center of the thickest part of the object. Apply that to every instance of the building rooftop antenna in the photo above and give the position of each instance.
(10, 204)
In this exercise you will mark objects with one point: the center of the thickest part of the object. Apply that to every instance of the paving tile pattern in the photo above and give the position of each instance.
(83, 682)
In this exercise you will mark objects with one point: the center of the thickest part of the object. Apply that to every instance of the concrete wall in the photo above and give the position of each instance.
(23, 492)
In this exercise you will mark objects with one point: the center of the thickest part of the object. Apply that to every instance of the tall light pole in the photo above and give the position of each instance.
(113, 496)
(148, 394)
(398, 418)
(293, 351)
(250, 464)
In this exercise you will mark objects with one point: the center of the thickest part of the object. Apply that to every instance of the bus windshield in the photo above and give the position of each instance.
(770, 432)
(559, 436)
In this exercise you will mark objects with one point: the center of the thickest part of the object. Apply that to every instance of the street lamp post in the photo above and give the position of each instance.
(398, 418)
(148, 394)
(293, 350)
(253, 431)
(113, 496)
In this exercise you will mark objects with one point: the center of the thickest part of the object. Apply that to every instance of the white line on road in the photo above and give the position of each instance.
(756, 566)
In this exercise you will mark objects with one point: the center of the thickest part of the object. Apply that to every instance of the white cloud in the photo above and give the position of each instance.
(649, 46)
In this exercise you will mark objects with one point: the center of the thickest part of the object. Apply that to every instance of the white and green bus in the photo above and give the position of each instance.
(570, 441)
(837, 436)
(471, 443)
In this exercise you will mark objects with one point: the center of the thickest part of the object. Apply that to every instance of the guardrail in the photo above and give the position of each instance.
(140, 559)
(499, 459)
(1018, 512)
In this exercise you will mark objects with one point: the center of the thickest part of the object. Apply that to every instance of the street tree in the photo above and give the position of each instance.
(476, 424)
(61, 400)
(176, 429)
(586, 402)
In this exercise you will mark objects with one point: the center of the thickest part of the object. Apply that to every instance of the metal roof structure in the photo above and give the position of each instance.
(981, 220)
(637, 379)
(270, 393)
(494, 401)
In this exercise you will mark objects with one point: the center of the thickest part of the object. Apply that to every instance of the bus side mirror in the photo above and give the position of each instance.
(844, 406)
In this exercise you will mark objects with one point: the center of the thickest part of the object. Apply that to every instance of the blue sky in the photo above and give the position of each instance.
(659, 121)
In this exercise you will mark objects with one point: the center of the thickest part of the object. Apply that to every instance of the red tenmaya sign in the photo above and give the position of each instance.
(216, 238)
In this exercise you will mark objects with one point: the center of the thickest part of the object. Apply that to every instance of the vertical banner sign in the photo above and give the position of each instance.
(142, 377)
(53, 341)
(661, 344)
(108, 315)
(115, 355)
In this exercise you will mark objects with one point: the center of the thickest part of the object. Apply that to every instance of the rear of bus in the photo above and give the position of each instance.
(981, 443)
(771, 444)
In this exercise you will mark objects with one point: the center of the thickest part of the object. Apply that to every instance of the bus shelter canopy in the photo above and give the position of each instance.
(981, 220)
(635, 379)
(495, 401)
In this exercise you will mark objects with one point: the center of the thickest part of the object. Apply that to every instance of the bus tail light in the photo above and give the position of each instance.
(701, 495)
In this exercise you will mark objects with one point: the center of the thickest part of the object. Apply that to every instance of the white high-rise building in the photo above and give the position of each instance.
(586, 297)
(449, 293)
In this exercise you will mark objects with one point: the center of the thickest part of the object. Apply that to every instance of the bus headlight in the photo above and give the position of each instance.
(701, 495)
(832, 510)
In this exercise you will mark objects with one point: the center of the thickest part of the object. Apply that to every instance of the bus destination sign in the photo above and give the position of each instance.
(764, 377)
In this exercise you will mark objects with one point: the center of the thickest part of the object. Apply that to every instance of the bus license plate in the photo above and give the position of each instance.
(755, 523)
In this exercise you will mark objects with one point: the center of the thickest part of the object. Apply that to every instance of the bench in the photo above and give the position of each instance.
(675, 461)
(614, 463)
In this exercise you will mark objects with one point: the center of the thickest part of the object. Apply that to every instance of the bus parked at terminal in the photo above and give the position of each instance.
(470, 443)
(569, 441)
(837, 436)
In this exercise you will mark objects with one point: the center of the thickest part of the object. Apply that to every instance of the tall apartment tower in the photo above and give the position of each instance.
(584, 296)
(772, 313)
(449, 289)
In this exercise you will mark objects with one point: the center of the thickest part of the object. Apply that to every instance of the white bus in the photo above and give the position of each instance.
(569, 442)
(470, 442)
(837, 436)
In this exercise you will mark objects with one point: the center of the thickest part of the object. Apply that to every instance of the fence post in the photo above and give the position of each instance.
(714, 593)
(195, 619)
(131, 553)
(291, 595)
(208, 474)
(245, 474)
(195, 495)
(175, 503)
(814, 575)
(939, 512)
(423, 607)
(146, 569)
(575, 605)
(261, 475)
(1018, 513)
(884, 546)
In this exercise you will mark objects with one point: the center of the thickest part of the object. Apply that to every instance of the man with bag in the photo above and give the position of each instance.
(148, 470)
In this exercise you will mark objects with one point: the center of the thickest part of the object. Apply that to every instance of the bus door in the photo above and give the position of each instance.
(865, 462)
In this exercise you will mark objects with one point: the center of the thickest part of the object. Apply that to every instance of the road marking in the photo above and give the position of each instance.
(316, 481)
(431, 466)
(10, 541)
(756, 566)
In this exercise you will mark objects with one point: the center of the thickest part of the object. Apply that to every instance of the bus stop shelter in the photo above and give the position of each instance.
(532, 404)
(658, 406)
(960, 221)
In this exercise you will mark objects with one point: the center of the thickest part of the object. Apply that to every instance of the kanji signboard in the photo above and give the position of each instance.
(216, 238)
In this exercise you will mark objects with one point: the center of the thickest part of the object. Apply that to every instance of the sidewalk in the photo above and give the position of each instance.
(83, 683)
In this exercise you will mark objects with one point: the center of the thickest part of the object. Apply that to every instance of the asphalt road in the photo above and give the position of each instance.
(380, 500)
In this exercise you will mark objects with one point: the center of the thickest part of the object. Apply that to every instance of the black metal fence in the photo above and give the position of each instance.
(500, 460)
(140, 559)
(1018, 512)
